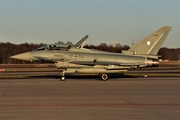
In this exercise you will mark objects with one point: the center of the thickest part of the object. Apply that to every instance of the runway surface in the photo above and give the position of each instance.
(90, 99)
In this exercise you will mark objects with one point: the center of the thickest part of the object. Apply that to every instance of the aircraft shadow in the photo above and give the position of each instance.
(86, 76)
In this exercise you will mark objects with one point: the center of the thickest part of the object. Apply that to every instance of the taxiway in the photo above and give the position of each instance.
(90, 99)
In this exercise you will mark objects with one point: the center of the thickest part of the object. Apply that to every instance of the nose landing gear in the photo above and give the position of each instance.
(63, 76)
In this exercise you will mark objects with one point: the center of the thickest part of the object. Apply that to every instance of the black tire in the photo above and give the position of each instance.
(104, 77)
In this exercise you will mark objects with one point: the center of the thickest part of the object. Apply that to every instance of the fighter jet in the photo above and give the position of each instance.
(76, 59)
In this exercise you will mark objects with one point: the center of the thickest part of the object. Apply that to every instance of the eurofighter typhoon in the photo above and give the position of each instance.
(76, 59)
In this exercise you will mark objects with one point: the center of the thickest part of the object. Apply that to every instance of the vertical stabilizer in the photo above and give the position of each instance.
(151, 44)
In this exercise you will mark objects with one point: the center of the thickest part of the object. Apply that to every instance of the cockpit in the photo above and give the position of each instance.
(62, 47)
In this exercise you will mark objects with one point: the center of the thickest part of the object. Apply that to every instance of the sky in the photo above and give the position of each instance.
(50, 21)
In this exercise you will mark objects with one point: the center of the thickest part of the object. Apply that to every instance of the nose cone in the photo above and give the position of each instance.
(22, 56)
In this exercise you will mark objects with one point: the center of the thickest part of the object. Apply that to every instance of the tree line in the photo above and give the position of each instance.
(8, 49)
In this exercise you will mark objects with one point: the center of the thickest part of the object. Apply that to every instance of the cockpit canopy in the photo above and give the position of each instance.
(63, 47)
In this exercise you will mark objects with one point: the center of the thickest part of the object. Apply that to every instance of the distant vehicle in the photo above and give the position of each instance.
(76, 59)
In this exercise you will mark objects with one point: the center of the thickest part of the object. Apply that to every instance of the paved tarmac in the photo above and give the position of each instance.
(129, 71)
(90, 99)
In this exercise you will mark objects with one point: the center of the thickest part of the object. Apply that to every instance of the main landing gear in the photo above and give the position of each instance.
(104, 77)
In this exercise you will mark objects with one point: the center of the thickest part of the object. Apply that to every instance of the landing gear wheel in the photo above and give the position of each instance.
(104, 77)
(63, 78)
